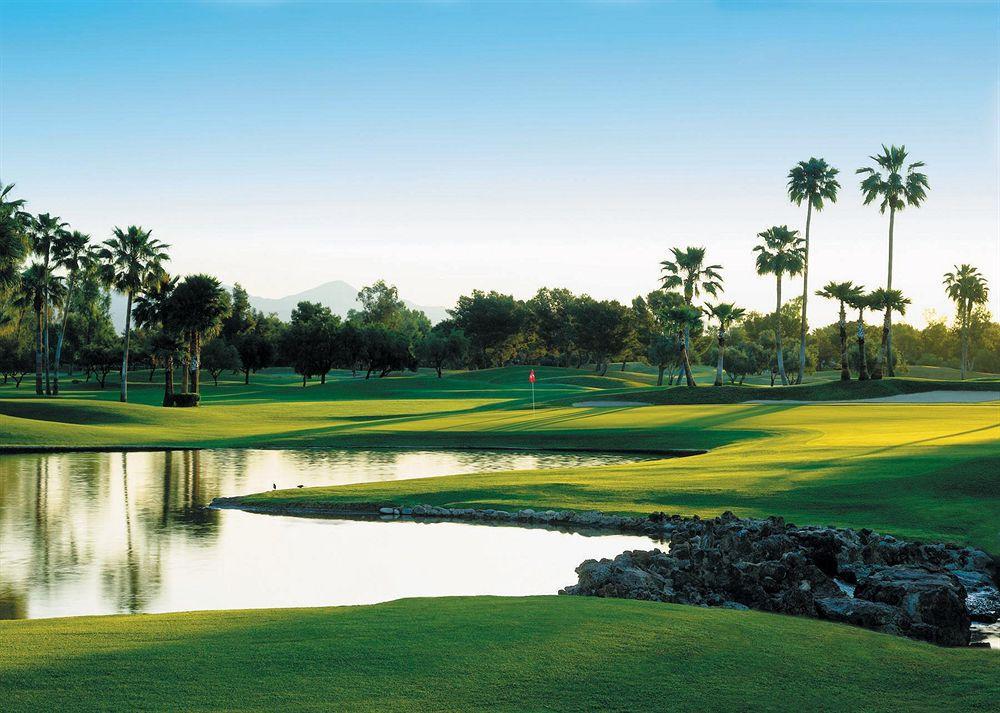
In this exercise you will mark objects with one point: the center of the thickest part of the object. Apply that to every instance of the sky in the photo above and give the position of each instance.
(450, 146)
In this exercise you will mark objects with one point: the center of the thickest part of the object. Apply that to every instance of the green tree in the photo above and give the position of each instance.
(782, 252)
(380, 305)
(844, 293)
(45, 231)
(14, 241)
(218, 356)
(197, 307)
(688, 273)
(895, 184)
(967, 288)
(152, 311)
(444, 346)
(725, 314)
(883, 300)
(602, 329)
(813, 181)
(687, 319)
(71, 252)
(130, 261)
(493, 323)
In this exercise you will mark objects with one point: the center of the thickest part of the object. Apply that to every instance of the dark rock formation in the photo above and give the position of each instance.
(903, 588)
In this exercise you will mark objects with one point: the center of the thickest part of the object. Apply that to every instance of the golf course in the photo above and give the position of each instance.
(924, 471)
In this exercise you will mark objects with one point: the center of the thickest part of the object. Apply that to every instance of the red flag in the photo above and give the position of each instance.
(531, 376)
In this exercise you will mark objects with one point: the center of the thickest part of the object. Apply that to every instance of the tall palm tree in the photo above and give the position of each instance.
(14, 242)
(152, 311)
(198, 306)
(130, 261)
(33, 291)
(45, 231)
(860, 302)
(782, 252)
(843, 292)
(689, 273)
(71, 252)
(883, 300)
(967, 288)
(898, 185)
(813, 181)
(725, 313)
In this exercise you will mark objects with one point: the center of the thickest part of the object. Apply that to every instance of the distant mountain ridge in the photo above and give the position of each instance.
(338, 295)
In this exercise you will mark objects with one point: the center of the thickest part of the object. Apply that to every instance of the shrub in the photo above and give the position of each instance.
(186, 400)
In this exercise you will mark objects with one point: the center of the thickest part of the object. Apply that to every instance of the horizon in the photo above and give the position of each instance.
(452, 147)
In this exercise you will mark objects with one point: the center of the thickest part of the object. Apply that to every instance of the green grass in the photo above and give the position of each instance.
(516, 654)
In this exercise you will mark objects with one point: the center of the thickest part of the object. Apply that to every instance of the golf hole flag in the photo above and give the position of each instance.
(531, 376)
(531, 380)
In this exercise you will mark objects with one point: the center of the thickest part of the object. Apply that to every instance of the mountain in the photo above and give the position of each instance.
(337, 295)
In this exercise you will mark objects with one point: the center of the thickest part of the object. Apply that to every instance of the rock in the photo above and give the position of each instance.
(388, 511)
(859, 612)
(933, 603)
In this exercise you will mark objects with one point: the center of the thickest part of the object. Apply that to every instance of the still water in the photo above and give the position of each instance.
(103, 533)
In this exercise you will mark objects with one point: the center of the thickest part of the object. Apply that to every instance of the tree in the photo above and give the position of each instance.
(310, 341)
(380, 305)
(552, 321)
(967, 288)
(898, 185)
(492, 322)
(686, 319)
(37, 289)
(130, 261)
(45, 230)
(152, 310)
(71, 252)
(385, 351)
(844, 293)
(218, 356)
(198, 306)
(860, 302)
(444, 346)
(100, 358)
(725, 313)
(813, 181)
(241, 317)
(782, 252)
(602, 327)
(688, 272)
(883, 300)
(257, 346)
(14, 240)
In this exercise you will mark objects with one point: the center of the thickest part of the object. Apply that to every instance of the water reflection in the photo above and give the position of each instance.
(90, 533)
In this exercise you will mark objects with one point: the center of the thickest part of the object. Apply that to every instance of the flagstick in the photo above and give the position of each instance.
(532, 398)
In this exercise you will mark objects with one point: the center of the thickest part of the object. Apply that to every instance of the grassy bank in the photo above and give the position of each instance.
(551, 653)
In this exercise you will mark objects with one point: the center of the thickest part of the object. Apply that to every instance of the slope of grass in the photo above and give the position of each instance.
(481, 653)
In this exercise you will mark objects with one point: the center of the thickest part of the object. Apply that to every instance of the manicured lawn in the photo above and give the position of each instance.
(536, 653)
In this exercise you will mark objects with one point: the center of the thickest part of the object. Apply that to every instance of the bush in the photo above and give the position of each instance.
(186, 400)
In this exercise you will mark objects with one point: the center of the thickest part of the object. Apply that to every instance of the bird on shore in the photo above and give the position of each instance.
(300, 486)
(274, 486)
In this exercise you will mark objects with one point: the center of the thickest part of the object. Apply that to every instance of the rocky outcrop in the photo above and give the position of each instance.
(903, 588)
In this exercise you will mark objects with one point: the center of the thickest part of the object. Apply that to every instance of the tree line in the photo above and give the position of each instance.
(54, 312)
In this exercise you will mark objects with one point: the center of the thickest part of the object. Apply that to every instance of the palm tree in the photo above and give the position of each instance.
(684, 317)
(71, 251)
(14, 243)
(781, 253)
(45, 231)
(198, 306)
(897, 185)
(843, 292)
(813, 181)
(152, 311)
(33, 293)
(967, 288)
(689, 273)
(132, 259)
(860, 302)
(883, 300)
(725, 313)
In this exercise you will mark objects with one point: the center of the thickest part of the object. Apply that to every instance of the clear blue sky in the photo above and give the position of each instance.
(446, 146)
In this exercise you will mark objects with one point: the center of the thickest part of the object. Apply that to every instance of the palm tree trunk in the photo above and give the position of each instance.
(966, 310)
(195, 362)
(777, 338)
(805, 298)
(887, 324)
(39, 387)
(686, 364)
(880, 365)
(168, 381)
(185, 366)
(46, 352)
(62, 334)
(845, 368)
(123, 397)
(719, 363)
(862, 357)
(659, 376)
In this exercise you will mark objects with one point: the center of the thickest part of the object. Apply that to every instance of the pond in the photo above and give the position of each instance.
(104, 533)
